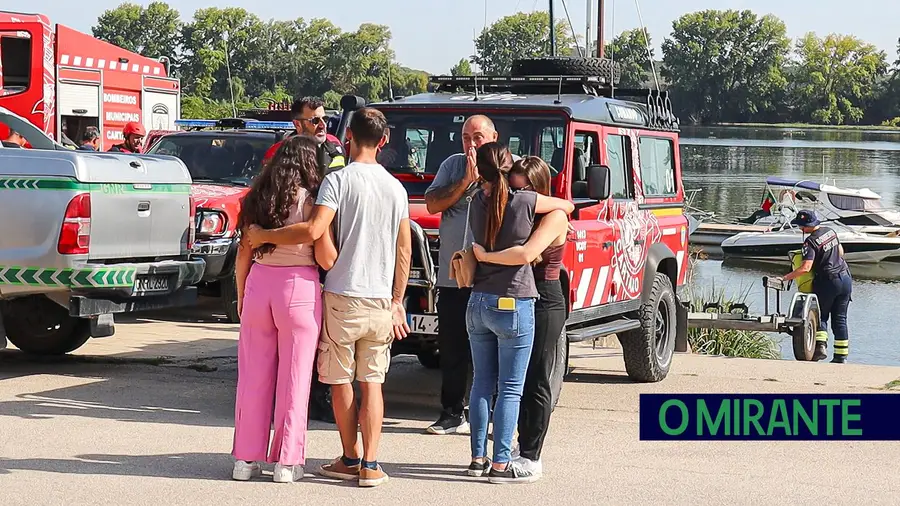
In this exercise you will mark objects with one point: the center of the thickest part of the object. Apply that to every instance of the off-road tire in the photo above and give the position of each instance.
(804, 337)
(567, 66)
(228, 298)
(560, 368)
(38, 326)
(646, 360)
(429, 360)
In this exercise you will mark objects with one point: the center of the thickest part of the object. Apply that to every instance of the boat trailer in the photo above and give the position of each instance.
(800, 322)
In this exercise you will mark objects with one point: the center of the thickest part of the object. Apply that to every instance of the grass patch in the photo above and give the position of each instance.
(729, 343)
(893, 385)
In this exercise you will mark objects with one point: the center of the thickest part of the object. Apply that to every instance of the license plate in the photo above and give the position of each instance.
(151, 283)
(421, 324)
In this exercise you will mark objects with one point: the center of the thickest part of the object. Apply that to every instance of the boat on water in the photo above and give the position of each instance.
(776, 245)
(858, 210)
(861, 209)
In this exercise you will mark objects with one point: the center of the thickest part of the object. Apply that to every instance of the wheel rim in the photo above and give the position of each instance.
(662, 324)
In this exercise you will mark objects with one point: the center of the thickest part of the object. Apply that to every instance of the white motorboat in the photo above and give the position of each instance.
(777, 244)
(859, 209)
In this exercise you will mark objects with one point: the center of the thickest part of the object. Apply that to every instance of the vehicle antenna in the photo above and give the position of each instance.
(574, 33)
(475, 74)
(559, 93)
(228, 68)
(647, 44)
(612, 56)
(390, 83)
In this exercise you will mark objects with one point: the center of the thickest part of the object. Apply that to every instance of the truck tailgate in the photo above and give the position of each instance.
(136, 209)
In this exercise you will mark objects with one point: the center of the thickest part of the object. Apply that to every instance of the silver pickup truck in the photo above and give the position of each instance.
(84, 235)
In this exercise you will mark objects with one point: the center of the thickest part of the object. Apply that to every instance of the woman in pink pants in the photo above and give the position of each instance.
(280, 303)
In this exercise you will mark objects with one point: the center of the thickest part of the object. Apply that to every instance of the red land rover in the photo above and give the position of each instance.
(616, 159)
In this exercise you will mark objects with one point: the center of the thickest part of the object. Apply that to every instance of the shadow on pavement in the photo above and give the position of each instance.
(208, 466)
(180, 394)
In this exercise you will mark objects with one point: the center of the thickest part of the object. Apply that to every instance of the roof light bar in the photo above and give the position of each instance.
(248, 124)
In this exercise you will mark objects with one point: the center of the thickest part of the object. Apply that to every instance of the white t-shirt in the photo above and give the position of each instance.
(369, 204)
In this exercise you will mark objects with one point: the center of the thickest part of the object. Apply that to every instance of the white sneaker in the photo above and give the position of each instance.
(287, 474)
(243, 470)
(535, 467)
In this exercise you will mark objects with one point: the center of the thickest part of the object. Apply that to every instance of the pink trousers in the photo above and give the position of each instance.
(280, 321)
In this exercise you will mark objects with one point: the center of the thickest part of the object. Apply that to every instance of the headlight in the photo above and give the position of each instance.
(210, 223)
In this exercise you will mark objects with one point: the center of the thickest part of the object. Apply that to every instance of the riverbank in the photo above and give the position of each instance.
(121, 426)
(804, 126)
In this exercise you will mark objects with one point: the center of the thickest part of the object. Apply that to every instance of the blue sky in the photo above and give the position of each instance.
(432, 35)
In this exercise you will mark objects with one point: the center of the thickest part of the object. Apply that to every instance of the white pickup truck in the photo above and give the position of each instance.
(84, 235)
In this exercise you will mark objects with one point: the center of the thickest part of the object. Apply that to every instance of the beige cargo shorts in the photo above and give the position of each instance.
(356, 340)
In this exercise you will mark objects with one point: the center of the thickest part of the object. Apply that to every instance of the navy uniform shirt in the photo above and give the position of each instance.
(823, 248)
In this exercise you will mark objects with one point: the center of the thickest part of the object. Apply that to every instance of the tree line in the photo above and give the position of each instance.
(225, 51)
(728, 66)
(721, 66)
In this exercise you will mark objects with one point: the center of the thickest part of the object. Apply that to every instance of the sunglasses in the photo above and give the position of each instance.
(315, 120)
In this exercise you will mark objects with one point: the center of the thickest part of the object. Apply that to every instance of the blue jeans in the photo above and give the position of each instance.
(501, 342)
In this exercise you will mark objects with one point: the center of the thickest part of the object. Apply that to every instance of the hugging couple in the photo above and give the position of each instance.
(354, 224)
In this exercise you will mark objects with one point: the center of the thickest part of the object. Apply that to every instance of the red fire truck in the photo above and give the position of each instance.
(63, 81)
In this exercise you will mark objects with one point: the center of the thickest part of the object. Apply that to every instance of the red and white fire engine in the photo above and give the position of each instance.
(63, 81)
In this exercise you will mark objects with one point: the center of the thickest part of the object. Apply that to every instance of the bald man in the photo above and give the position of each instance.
(455, 180)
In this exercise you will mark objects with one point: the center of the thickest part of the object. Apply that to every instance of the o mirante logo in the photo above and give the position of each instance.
(769, 416)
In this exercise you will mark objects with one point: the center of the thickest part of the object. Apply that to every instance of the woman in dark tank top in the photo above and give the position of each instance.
(545, 250)
(500, 313)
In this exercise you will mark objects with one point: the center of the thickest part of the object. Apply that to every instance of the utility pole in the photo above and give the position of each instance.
(552, 32)
(599, 28)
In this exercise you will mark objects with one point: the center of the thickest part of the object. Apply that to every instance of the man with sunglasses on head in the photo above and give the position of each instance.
(308, 115)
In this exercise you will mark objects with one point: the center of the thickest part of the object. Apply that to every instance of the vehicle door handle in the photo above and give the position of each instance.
(607, 244)
(134, 163)
(143, 206)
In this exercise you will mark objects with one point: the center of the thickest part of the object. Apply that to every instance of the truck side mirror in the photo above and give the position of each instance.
(598, 182)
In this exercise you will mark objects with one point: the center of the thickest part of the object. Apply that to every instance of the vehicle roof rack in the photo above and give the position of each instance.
(543, 85)
(234, 124)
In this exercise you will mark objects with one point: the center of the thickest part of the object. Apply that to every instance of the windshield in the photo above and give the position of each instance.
(421, 140)
(219, 158)
(854, 203)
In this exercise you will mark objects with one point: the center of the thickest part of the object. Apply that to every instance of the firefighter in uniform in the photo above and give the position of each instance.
(309, 118)
(823, 256)
(133, 135)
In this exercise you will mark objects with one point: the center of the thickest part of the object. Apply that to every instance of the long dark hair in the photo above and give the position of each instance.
(536, 172)
(494, 161)
(274, 192)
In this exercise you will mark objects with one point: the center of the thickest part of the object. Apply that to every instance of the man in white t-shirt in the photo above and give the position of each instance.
(363, 290)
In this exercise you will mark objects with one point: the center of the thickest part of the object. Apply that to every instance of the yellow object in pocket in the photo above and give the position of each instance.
(506, 304)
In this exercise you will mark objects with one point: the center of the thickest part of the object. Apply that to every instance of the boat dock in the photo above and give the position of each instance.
(712, 234)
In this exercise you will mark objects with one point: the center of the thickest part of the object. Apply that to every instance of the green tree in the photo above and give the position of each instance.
(206, 39)
(521, 35)
(151, 31)
(462, 68)
(837, 75)
(726, 65)
(629, 50)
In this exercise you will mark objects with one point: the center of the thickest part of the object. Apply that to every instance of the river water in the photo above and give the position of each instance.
(729, 167)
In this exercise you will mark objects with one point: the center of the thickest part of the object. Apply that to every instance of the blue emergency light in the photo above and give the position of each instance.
(248, 124)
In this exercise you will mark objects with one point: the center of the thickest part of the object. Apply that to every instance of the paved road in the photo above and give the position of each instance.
(117, 425)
